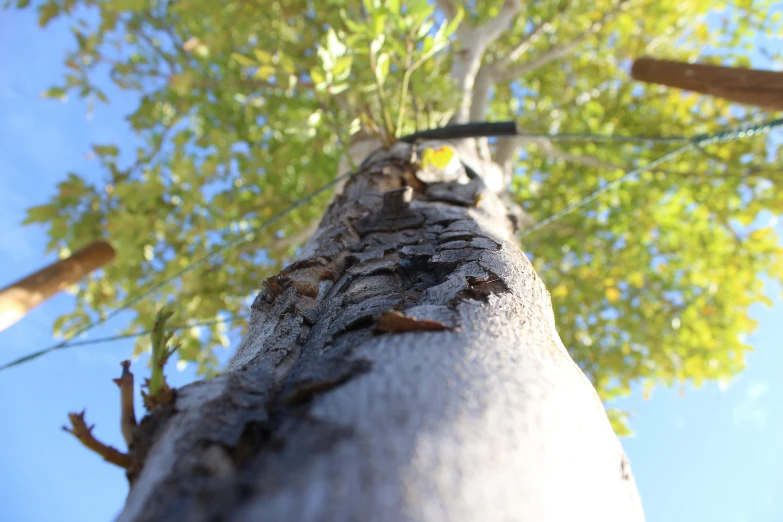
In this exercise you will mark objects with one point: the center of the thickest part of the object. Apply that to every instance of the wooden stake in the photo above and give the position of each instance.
(22, 296)
(753, 87)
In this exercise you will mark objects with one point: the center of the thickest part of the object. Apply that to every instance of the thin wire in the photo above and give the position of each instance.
(697, 141)
(141, 295)
(111, 338)
(592, 196)
(98, 340)
(741, 131)
(606, 138)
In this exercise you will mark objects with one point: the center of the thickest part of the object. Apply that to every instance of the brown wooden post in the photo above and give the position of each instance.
(22, 296)
(754, 87)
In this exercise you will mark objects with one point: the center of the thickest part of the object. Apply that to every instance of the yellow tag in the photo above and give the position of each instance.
(439, 158)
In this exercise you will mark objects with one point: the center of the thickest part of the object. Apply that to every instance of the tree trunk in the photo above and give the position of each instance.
(406, 367)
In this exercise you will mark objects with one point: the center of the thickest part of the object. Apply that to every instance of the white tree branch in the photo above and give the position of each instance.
(506, 153)
(524, 45)
(530, 38)
(485, 79)
(475, 41)
(554, 53)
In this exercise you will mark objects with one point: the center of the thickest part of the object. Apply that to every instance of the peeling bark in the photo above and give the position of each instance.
(406, 367)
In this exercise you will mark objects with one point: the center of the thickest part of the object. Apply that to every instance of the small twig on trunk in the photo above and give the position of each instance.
(127, 410)
(159, 392)
(81, 431)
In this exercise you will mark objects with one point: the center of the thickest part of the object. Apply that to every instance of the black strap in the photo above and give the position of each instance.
(465, 130)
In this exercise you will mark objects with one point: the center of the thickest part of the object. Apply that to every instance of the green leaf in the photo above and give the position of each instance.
(355, 27)
(333, 44)
(425, 29)
(338, 88)
(100, 95)
(382, 69)
(40, 214)
(342, 69)
(378, 24)
(106, 150)
(263, 57)
(130, 5)
(419, 10)
(376, 44)
(244, 61)
(393, 7)
(56, 93)
(318, 77)
(48, 12)
(327, 60)
(448, 29)
(264, 72)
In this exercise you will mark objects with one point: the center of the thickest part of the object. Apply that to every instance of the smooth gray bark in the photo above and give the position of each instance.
(462, 406)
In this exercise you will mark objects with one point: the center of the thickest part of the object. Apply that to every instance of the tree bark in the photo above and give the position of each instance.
(405, 368)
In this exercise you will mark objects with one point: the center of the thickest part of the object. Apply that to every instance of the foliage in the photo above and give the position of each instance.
(245, 106)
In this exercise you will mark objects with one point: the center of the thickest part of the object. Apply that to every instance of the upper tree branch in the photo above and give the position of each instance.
(448, 8)
(488, 73)
(485, 79)
(523, 45)
(555, 52)
(530, 38)
(474, 42)
(505, 154)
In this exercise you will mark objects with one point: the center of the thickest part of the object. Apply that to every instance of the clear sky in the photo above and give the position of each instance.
(712, 454)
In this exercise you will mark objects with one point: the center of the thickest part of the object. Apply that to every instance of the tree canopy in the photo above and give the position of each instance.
(246, 106)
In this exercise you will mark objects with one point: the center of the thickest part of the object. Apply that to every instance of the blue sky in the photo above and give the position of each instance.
(710, 455)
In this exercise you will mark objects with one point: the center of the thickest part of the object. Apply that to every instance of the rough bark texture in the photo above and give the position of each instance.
(406, 367)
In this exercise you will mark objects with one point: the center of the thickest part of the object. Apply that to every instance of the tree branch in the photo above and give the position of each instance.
(488, 73)
(552, 54)
(506, 152)
(523, 45)
(559, 51)
(448, 8)
(475, 41)
(156, 50)
(81, 431)
(127, 409)
(485, 79)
